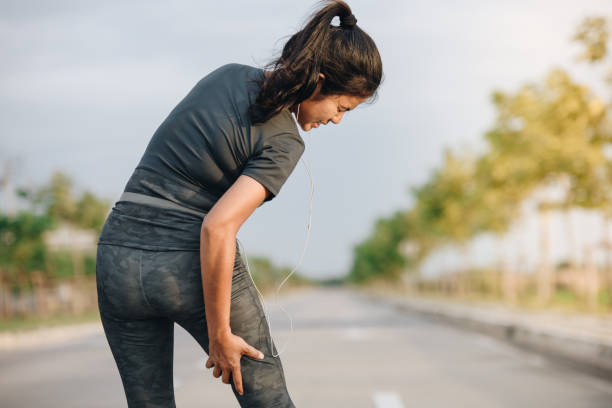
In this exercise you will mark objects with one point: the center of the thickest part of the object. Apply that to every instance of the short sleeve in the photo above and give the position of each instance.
(272, 164)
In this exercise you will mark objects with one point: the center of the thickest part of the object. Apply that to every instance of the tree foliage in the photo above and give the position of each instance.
(267, 275)
(593, 34)
(22, 248)
(58, 201)
(379, 256)
(551, 131)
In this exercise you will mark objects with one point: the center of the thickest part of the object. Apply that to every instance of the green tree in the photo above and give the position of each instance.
(593, 34)
(267, 275)
(551, 132)
(379, 256)
(58, 200)
(22, 250)
(91, 212)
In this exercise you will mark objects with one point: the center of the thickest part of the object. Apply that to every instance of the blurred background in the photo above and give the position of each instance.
(481, 177)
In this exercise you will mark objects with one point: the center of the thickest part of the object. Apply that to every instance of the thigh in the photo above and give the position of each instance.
(141, 341)
(263, 380)
(143, 351)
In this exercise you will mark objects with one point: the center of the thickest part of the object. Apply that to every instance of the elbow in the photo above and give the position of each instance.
(217, 230)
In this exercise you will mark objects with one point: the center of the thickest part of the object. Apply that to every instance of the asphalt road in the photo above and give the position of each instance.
(345, 351)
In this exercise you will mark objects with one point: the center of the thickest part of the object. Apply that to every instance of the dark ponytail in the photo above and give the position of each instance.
(345, 54)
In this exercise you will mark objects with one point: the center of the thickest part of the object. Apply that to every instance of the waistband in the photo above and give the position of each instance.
(156, 202)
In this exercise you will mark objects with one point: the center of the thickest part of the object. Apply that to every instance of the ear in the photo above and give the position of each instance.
(321, 76)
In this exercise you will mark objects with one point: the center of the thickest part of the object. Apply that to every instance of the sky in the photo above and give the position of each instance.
(83, 86)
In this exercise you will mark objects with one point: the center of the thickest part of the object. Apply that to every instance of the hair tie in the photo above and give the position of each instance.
(348, 21)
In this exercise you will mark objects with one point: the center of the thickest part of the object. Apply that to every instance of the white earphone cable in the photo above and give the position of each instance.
(242, 251)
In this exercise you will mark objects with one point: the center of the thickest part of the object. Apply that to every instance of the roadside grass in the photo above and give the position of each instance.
(33, 322)
(562, 300)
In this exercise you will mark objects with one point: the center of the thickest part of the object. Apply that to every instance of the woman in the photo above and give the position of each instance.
(168, 250)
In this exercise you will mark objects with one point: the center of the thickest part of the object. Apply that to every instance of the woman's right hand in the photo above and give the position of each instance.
(225, 351)
(217, 256)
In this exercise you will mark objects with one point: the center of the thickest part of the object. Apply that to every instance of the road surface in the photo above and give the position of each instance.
(345, 351)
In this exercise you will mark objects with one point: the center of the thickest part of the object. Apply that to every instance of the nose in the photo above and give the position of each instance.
(336, 119)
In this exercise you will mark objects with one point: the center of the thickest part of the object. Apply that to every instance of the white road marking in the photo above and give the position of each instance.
(387, 399)
(177, 382)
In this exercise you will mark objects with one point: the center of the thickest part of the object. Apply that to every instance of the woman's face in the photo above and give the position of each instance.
(322, 109)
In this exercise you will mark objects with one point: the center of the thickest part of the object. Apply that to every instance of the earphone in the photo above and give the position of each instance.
(246, 260)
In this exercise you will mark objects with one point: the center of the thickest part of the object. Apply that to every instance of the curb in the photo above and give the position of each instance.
(579, 349)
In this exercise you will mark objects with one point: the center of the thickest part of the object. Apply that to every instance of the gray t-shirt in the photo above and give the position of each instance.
(196, 154)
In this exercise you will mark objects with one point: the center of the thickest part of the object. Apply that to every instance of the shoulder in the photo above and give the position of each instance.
(282, 127)
(237, 70)
(224, 88)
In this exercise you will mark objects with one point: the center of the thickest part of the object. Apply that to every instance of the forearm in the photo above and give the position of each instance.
(217, 252)
(218, 249)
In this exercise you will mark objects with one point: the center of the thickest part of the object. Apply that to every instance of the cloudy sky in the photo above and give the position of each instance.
(83, 86)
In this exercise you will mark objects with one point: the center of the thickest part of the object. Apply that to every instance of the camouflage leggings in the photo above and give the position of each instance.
(142, 293)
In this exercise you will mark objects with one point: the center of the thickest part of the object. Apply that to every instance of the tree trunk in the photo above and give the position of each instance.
(545, 278)
(508, 283)
(571, 242)
(464, 275)
(591, 279)
(607, 278)
(4, 297)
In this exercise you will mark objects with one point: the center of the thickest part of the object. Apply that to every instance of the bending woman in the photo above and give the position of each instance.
(168, 251)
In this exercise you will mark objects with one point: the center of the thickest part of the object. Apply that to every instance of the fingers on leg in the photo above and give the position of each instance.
(263, 381)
